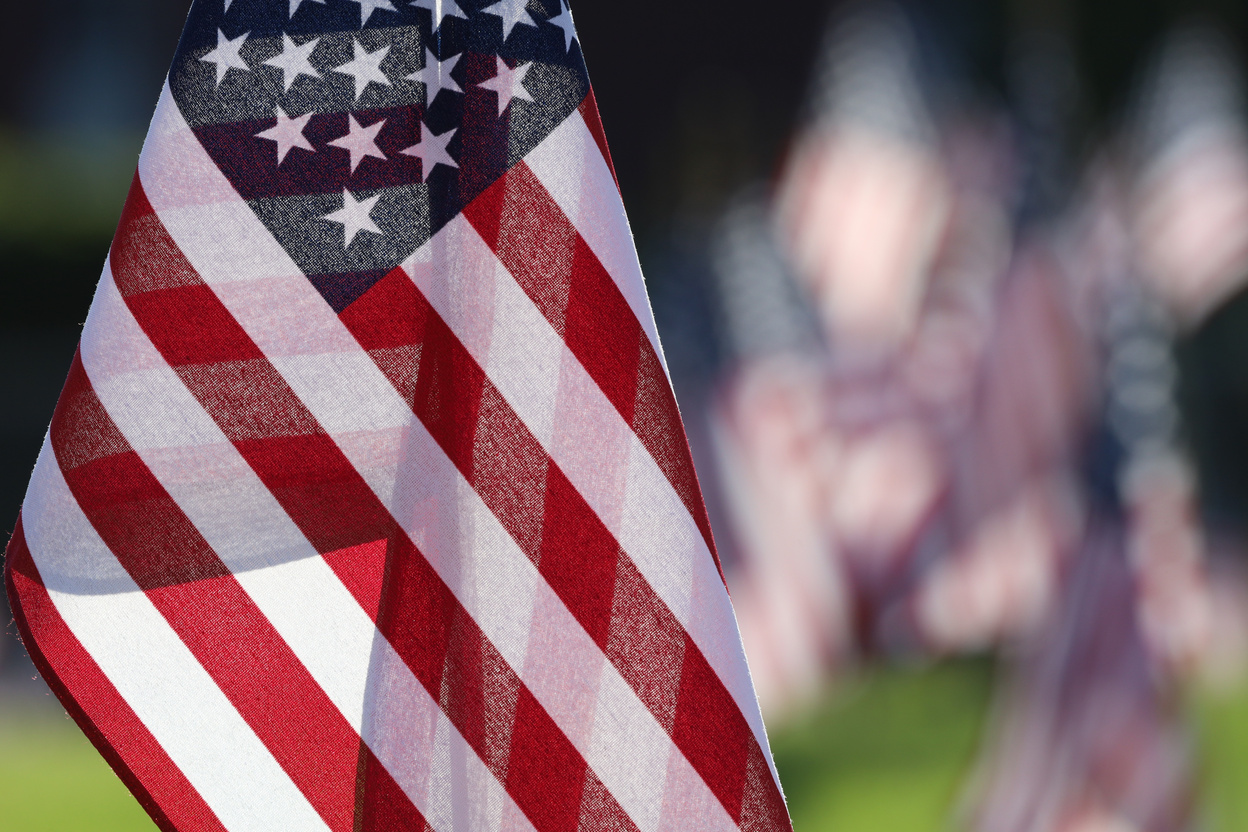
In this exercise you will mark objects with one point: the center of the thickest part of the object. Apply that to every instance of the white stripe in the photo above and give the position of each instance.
(295, 590)
(571, 167)
(170, 692)
(442, 513)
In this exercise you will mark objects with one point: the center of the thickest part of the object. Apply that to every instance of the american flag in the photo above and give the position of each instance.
(367, 504)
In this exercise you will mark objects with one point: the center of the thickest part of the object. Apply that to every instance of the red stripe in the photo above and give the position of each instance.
(94, 703)
(332, 504)
(211, 612)
(554, 265)
(559, 532)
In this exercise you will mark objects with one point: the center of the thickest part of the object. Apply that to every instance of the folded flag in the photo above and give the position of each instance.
(367, 504)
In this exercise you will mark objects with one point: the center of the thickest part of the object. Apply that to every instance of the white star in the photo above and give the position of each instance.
(355, 217)
(436, 76)
(431, 150)
(294, 60)
(508, 83)
(367, 7)
(288, 133)
(360, 141)
(225, 56)
(365, 68)
(439, 10)
(295, 4)
(512, 12)
(227, 4)
(564, 21)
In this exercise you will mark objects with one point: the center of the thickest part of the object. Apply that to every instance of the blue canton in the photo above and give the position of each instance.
(319, 113)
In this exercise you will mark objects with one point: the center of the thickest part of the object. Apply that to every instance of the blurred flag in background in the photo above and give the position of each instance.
(950, 422)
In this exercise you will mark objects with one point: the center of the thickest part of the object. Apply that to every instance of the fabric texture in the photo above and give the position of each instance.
(367, 504)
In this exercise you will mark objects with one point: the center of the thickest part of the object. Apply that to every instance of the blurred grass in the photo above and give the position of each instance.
(885, 753)
(1222, 730)
(52, 779)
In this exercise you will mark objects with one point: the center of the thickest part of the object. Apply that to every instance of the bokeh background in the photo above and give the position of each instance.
(706, 106)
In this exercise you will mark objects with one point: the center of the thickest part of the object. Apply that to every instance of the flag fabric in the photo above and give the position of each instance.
(367, 504)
